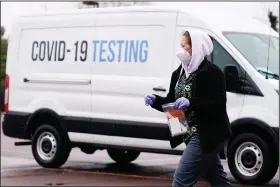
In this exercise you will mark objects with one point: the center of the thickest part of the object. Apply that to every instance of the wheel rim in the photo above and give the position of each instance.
(248, 159)
(46, 146)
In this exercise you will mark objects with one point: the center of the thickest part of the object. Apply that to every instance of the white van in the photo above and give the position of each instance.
(78, 79)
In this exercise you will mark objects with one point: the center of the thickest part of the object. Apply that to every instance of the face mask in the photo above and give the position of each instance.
(184, 56)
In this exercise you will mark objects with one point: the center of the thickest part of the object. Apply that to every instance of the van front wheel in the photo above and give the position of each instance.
(123, 156)
(251, 159)
(49, 149)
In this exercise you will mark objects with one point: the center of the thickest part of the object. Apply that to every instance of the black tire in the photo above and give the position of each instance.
(269, 166)
(63, 147)
(123, 156)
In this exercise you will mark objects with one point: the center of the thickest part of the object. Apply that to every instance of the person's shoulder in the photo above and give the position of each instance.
(213, 67)
(210, 69)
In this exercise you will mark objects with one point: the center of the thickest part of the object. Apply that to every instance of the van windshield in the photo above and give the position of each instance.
(256, 49)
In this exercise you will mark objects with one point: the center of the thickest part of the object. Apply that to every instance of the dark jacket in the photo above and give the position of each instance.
(209, 103)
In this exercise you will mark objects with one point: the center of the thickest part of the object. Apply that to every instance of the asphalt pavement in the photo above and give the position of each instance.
(19, 168)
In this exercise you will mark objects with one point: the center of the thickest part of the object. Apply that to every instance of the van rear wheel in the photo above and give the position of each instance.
(123, 156)
(251, 160)
(49, 149)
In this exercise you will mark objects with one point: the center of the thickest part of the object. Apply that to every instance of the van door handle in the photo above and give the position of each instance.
(160, 89)
(25, 80)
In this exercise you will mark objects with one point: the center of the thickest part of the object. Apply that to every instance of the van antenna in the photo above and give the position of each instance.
(268, 50)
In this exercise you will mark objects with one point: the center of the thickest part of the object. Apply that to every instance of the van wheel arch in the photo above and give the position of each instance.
(42, 116)
(252, 125)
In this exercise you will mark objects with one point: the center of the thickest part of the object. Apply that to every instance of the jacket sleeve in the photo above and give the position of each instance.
(159, 101)
(210, 93)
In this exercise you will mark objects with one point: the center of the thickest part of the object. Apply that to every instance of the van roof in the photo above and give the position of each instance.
(217, 22)
(237, 23)
(229, 22)
(104, 10)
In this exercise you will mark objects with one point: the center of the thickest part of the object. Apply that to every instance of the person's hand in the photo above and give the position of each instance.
(149, 99)
(182, 102)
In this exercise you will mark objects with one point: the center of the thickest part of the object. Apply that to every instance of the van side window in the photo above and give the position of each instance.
(221, 57)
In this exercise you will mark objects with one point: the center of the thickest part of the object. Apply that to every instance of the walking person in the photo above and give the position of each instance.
(198, 87)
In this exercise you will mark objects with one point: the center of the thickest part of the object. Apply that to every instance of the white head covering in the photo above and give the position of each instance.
(202, 46)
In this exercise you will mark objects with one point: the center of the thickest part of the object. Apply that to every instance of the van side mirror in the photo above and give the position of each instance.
(232, 78)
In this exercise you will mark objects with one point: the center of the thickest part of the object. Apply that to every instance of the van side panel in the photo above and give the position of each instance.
(53, 69)
(134, 54)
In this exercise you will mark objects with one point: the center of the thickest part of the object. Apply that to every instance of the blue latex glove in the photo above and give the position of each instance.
(149, 99)
(182, 102)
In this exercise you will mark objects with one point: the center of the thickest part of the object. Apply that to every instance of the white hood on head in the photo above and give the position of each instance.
(202, 46)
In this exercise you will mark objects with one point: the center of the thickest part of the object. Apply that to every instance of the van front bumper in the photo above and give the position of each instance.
(14, 123)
